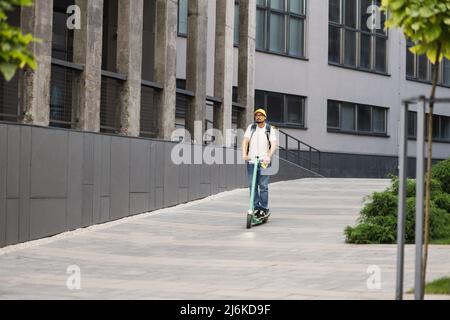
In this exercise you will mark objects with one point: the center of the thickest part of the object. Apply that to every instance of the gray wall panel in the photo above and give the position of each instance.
(88, 159)
(3, 174)
(230, 176)
(106, 166)
(120, 177)
(159, 197)
(159, 164)
(152, 175)
(206, 173)
(97, 179)
(104, 208)
(24, 183)
(214, 179)
(49, 163)
(12, 180)
(183, 195)
(47, 217)
(75, 180)
(139, 169)
(138, 203)
(61, 180)
(222, 176)
(183, 178)
(88, 205)
(194, 181)
(205, 190)
(12, 221)
(170, 178)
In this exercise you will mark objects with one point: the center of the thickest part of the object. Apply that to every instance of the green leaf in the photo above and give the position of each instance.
(431, 54)
(8, 70)
(433, 33)
(396, 4)
(426, 12)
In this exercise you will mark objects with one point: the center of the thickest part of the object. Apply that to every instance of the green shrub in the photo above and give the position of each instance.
(442, 201)
(378, 220)
(410, 187)
(373, 229)
(441, 172)
(366, 233)
(436, 187)
(379, 204)
(439, 223)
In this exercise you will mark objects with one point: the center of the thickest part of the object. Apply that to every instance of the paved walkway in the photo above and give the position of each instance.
(202, 250)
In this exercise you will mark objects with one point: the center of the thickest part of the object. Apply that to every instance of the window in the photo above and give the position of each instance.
(358, 118)
(110, 18)
(148, 112)
(420, 68)
(61, 78)
(62, 38)
(441, 126)
(148, 39)
(280, 26)
(446, 73)
(182, 17)
(352, 41)
(9, 90)
(282, 109)
(236, 23)
(110, 87)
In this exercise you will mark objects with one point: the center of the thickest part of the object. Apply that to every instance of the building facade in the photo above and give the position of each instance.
(146, 67)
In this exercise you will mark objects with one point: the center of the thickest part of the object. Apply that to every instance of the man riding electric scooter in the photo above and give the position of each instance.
(258, 146)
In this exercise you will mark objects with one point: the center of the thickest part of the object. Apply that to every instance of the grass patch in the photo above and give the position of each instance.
(439, 286)
(441, 241)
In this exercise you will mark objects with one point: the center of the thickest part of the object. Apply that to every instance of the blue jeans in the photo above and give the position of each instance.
(261, 200)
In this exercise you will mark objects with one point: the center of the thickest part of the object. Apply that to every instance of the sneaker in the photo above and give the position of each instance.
(264, 212)
(258, 213)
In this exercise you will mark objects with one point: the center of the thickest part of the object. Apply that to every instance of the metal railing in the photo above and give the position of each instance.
(301, 153)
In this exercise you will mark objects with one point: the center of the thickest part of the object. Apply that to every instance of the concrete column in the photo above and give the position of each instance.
(246, 72)
(196, 66)
(223, 68)
(165, 65)
(129, 62)
(87, 46)
(35, 106)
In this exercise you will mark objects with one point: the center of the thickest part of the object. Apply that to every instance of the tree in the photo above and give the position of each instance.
(14, 51)
(427, 24)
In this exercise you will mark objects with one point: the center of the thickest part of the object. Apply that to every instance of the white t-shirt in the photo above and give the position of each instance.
(259, 146)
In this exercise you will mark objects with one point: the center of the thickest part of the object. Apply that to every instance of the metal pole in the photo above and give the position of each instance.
(403, 161)
(419, 197)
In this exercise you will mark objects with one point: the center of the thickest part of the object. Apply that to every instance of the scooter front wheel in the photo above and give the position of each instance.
(249, 221)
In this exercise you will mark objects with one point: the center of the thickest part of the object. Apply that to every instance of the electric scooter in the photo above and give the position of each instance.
(252, 220)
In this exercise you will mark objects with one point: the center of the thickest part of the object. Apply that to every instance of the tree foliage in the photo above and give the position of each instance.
(14, 44)
(425, 22)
